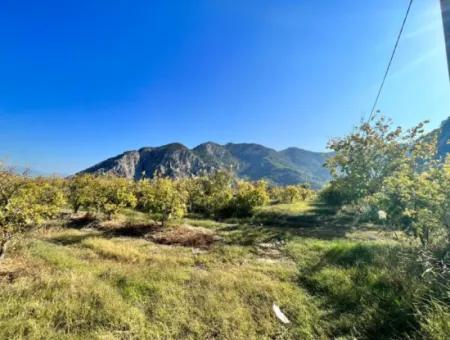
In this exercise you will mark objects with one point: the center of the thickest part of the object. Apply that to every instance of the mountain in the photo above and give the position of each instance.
(246, 160)
(443, 148)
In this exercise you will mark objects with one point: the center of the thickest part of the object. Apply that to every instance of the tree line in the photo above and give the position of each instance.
(27, 202)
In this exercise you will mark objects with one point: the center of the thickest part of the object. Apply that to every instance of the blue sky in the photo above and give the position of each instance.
(85, 80)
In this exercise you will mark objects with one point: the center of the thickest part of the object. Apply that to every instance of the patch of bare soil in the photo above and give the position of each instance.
(186, 236)
(269, 250)
(271, 253)
(11, 269)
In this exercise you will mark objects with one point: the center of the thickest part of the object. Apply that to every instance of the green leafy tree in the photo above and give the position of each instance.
(106, 194)
(29, 204)
(164, 198)
(113, 194)
(418, 201)
(291, 194)
(396, 174)
(83, 192)
(211, 195)
(368, 155)
(249, 196)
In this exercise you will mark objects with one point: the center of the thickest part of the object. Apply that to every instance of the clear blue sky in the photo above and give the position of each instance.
(85, 80)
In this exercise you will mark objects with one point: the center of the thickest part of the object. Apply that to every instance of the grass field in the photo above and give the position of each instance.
(128, 279)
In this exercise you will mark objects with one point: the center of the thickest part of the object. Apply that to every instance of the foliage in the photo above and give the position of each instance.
(371, 153)
(26, 203)
(216, 195)
(249, 196)
(163, 197)
(334, 193)
(107, 194)
(418, 202)
(82, 192)
(291, 194)
(113, 194)
(384, 170)
(210, 195)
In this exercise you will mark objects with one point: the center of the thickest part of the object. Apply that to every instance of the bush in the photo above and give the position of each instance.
(248, 196)
(26, 203)
(82, 192)
(210, 195)
(291, 194)
(333, 194)
(114, 194)
(417, 202)
(106, 194)
(371, 153)
(164, 198)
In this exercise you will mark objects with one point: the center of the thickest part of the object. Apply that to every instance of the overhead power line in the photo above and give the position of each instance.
(390, 60)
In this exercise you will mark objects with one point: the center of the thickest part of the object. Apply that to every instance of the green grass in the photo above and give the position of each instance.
(130, 288)
(85, 284)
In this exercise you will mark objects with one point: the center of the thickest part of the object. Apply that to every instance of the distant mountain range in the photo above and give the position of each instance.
(249, 161)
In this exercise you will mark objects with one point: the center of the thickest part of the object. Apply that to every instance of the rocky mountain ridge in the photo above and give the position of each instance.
(246, 160)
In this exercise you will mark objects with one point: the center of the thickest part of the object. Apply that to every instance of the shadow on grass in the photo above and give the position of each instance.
(272, 225)
(67, 240)
(368, 290)
(318, 221)
(85, 221)
(97, 228)
(130, 230)
(251, 235)
(281, 225)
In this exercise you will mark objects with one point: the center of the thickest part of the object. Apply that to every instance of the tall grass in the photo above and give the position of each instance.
(96, 288)
(94, 284)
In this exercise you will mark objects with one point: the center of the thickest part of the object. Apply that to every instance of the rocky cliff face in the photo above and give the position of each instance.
(173, 160)
(250, 161)
(444, 139)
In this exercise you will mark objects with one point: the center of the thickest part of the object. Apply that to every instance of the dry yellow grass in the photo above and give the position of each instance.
(118, 249)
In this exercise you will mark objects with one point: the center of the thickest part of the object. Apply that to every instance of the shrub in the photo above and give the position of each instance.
(248, 196)
(211, 195)
(107, 194)
(371, 153)
(26, 203)
(417, 202)
(113, 194)
(291, 194)
(164, 198)
(334, 194)
(82, 192)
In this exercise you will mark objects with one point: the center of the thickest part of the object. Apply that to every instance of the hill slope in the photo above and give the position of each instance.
(250, 161)
(444, 138)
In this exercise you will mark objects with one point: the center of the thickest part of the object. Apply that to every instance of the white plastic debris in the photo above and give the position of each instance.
(280, 315)
(382, 215)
